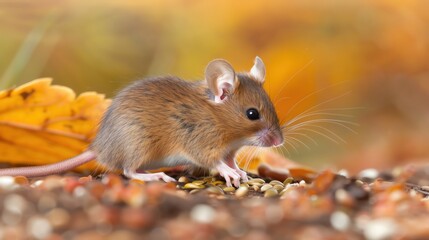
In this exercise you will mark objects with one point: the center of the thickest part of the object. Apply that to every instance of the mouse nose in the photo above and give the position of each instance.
(276, 139)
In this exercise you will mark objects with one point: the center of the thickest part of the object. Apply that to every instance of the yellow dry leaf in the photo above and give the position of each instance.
(42, 123)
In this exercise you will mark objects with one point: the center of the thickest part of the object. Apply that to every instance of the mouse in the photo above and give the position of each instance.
(167, 121)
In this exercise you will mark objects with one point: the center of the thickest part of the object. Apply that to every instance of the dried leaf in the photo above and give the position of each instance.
(323, 181)
(42, 123)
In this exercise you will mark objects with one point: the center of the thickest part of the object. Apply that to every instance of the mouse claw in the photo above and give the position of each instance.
(229, 174)
(242, 174)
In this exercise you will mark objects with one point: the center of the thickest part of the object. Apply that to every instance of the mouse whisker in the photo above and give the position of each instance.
(292, 77)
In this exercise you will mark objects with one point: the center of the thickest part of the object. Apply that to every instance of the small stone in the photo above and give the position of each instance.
(340, 221)
(15, 203)
(265, 187)
(241, 191)
(271, 193)
(379, 229)
(52, 182)
(112, 180)
(344, 173)
(46, 202)
(39, 227)
(370, 173)
(58, 217)
(203, 213)
(344, 198)
(7, 182)
(136, 218)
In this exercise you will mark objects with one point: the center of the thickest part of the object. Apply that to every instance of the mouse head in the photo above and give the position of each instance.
(245, 110)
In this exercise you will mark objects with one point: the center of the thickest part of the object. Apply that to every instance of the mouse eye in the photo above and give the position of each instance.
(252, 114)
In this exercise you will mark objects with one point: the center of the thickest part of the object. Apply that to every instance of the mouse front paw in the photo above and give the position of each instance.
(229, 174)
(242, 174)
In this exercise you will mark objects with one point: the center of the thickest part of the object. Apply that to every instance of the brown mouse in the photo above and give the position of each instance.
(166, 121)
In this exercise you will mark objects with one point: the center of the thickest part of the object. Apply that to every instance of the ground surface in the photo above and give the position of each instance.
(392, 205)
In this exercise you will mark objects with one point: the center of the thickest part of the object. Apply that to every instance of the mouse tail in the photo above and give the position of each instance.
(55, 168)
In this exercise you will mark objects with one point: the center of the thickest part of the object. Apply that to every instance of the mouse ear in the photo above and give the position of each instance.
(220, 77)
(258, 70)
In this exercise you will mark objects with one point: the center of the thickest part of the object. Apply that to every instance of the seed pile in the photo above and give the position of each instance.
(331, 206)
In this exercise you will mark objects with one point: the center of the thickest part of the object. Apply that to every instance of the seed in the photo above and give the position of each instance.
(288, 180)
(193, 186)
(255, 184)
(215, 190)
(244, 185)
(229, 189)
(21, 180)
(193, 191)
(283, 192)
(266, 187)
(271, 193)
(276, 182)
(278, 187)
(256, 180)
(183, 179)
(255, 187)
(241, 192)
(199, 182)
(218, 182)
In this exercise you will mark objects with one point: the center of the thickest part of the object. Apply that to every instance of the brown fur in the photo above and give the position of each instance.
(160, 117)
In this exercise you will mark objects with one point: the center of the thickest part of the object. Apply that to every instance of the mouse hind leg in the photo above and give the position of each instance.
(148, 176)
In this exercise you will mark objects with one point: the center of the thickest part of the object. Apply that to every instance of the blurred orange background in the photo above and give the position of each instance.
(364, 65)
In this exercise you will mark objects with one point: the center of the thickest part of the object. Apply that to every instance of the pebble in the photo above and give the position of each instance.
(7, 182)
(15, 203)
(203, 213)
(58, 217)
(370, 173)
(39, 227)
(344, 173)
(380, 229)
(340, 220)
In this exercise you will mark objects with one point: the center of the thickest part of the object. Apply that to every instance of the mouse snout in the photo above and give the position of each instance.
(276, 138)
(270, 138)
